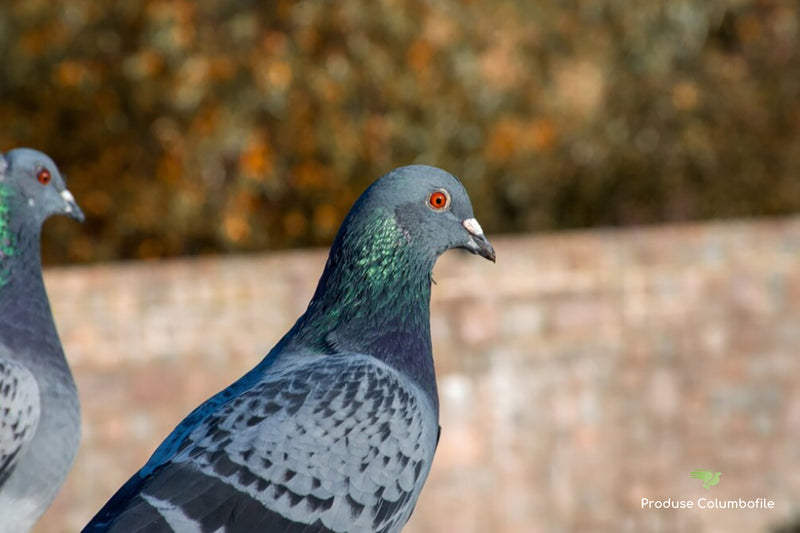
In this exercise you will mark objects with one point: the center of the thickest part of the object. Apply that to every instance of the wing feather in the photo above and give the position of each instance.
(19, 413)
(338, 444)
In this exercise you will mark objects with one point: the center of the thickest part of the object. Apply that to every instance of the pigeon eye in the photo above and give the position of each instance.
(439, 200)
(44, 176)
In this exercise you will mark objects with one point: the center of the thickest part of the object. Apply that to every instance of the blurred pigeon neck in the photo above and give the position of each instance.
(24, 308)
(373, 298)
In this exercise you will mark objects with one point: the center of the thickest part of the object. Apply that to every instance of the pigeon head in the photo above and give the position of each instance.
(431, 209)
(32, 189)
(374, 294)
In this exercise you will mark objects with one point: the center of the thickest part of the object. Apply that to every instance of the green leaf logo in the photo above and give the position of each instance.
(708, 477)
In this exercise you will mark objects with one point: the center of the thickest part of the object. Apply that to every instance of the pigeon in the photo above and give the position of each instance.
(39, 410)
(336, 428)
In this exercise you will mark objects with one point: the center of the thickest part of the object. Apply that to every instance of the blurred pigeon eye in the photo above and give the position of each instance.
(439, 200)
(44, 176)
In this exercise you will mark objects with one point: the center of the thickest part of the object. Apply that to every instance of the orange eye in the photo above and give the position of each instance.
(439, 200)
(44, 176)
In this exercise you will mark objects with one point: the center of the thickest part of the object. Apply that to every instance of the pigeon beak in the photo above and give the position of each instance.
(71, 206)
(478, 243)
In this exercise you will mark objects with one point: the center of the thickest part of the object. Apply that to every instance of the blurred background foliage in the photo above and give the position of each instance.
(189, 127)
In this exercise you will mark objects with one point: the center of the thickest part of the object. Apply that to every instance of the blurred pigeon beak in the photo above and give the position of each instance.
(71, 206)
(478, 243)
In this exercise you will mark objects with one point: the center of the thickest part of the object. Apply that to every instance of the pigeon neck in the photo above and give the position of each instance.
(24, 308)
(374, 298)
(8, 236)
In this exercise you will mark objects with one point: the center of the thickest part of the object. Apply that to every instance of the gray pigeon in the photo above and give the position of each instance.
(39, 411)
(335, 429)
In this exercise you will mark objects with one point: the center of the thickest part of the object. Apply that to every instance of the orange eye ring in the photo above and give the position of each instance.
(44, 176)
(439, 200)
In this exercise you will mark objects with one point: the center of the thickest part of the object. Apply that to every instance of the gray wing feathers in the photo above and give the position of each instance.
(19, 413)
(345, 444)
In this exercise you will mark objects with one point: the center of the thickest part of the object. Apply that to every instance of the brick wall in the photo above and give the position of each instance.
(579, 374)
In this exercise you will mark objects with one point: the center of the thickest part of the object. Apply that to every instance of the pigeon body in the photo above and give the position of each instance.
(39, 411)
(336, 428)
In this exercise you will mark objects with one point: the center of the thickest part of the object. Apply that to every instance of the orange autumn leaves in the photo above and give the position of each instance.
(202, 127)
